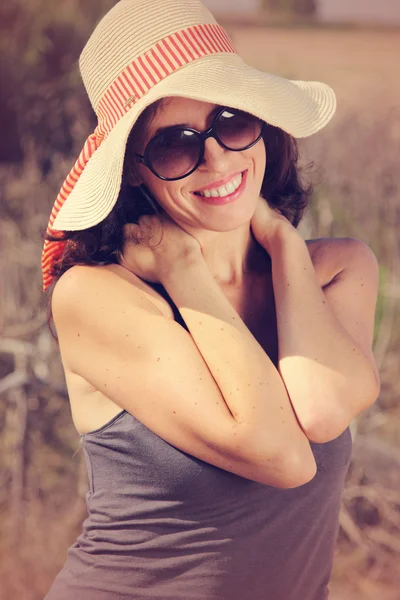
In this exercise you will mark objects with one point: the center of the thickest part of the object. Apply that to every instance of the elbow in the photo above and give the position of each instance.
(325, 429)
(292, 469)
(327, 426)
(300, 468)
(285, 467)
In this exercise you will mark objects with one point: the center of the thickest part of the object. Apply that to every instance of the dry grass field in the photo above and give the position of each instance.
(357, 194)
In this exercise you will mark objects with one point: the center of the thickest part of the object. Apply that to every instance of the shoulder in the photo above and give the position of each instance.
(84, 290)
(81, 283)
(332, 257)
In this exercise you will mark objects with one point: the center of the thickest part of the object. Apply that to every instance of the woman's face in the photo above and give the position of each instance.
(219, 167)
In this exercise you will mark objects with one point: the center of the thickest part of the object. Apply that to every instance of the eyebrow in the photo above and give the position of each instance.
(161, 129)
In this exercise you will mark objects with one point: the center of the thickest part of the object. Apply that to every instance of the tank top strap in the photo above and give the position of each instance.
(161, 290)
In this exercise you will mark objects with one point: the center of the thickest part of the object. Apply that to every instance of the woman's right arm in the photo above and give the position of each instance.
(214, 394)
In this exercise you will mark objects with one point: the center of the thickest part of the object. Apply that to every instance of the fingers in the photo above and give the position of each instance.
(131, 233)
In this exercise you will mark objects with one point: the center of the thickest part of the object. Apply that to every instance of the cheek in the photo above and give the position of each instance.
(167, 194)
(260, 159)
(154, 184)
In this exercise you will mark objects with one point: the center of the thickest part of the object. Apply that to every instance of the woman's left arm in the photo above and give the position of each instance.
(325, 335)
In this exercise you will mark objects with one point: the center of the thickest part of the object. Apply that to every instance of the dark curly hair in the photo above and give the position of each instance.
(101, 244)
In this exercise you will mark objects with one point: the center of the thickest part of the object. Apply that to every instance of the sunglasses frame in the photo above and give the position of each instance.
(202, 136)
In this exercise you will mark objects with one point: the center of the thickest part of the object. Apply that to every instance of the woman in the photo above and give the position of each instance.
(216, 456)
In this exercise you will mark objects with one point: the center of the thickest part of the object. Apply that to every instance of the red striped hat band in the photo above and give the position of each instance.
(163, 58)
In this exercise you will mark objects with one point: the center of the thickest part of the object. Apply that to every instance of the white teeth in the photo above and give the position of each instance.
(223, 190)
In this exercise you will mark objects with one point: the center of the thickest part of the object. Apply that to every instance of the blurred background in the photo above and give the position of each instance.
(45, 117)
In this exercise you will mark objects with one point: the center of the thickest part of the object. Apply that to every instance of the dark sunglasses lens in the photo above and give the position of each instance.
(238, 130)
(174, 153)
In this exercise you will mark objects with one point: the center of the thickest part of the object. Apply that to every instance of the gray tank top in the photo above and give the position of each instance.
(164, 525)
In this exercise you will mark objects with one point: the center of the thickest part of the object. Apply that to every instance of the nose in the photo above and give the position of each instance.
(215, 156)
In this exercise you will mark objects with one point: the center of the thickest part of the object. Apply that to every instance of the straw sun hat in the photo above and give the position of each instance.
(144, 50)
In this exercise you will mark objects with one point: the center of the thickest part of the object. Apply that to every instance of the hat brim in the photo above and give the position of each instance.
(300, 108)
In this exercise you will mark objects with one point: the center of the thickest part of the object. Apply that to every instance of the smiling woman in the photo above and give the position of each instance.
(213, 358)
(281, 184)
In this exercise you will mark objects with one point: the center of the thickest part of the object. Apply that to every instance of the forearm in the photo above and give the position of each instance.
(326, 374)
(249, 382)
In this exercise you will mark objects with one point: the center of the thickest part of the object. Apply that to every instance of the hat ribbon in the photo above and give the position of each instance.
(142, 74)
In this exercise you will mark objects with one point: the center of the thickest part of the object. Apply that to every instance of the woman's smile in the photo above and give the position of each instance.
(225, 193)
(222, 187)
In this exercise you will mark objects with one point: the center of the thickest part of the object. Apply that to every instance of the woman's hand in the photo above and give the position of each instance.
(153, 246)
(267, 222)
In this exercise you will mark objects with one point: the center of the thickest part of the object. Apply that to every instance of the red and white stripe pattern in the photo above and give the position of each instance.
(163, 58)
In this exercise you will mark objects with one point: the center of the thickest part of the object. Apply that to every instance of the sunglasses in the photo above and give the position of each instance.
(177, 151)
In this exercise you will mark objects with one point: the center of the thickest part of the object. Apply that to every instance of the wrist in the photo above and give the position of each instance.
(278, 234)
